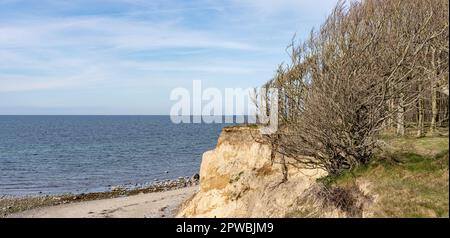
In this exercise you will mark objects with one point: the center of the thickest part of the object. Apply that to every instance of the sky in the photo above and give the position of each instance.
(124, 57)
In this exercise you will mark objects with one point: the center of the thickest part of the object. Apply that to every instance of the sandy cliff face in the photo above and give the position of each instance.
(238, 179)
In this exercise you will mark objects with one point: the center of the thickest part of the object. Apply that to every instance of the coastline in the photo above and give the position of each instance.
(164, 195)
(163, 204)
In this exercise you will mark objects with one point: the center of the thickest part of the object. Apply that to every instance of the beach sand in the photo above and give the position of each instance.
(157, 204)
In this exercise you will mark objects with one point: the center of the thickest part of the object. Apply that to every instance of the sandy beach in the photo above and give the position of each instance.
(148, 205)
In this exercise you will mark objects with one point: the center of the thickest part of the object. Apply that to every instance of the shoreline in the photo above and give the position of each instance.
(164, 204)
(15, 205)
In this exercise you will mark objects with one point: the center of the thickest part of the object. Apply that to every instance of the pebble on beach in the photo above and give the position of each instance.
(164, 185)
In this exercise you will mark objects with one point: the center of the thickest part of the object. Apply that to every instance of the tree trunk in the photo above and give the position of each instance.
(420, 112)
(434, 89)
(401, 116)
(444, 90)
(434, 107)
(390, 108)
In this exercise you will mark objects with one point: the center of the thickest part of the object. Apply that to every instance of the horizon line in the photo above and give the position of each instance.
(117, 115)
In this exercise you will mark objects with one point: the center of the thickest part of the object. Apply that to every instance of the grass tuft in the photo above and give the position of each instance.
(410, 178)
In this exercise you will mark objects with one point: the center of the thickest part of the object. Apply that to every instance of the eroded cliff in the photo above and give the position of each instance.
(239, 179)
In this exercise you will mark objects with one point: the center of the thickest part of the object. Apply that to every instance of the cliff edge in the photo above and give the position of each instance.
(408, 178)
(238, 179)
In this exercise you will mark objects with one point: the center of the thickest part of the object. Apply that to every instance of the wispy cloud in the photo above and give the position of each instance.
(50, 45)
(19, 83)
(65, 47)
(108, 32)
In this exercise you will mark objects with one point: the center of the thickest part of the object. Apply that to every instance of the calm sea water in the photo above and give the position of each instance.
(58, 154)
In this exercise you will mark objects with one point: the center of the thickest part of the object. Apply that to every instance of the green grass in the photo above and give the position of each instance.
(410, 178)
(244, 125)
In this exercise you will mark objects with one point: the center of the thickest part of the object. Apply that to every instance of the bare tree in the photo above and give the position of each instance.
(335, 94)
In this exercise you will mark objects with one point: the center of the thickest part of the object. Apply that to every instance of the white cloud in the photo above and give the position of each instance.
(226, 67)
(49, 52)
(15, 83)
(113, 32)
(69, 52)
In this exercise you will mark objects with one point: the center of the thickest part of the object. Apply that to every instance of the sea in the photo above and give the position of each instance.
(80, 154)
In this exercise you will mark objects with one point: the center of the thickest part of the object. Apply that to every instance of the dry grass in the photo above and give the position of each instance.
(410, 178)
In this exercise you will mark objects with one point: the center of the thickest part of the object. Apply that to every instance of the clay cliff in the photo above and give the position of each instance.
(239, 179)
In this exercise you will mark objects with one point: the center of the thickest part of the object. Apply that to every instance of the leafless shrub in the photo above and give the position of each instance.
(349, 200)
(337, 93)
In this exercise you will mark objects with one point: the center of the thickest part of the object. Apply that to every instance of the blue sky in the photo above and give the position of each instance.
(125, 56)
